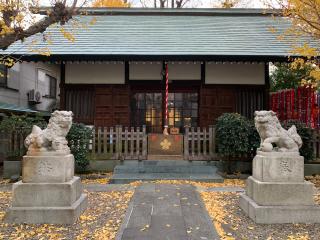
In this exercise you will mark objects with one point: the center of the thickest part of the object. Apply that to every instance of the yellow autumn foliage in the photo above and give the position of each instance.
(111, 3)
(305, 19)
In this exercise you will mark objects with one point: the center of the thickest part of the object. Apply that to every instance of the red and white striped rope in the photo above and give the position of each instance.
(167, 95)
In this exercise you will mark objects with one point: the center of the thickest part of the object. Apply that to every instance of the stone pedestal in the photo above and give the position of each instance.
(48, 193)
(277, 192)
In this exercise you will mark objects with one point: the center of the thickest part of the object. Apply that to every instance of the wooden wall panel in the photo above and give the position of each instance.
(81, 101)
(214, 101)
(112, 105)
(218, 99)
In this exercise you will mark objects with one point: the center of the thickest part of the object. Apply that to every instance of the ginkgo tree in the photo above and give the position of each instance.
(111, 3)
(305, 18)
(19, 19)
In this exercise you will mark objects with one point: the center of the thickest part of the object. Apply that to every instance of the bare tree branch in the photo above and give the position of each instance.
(59, 13)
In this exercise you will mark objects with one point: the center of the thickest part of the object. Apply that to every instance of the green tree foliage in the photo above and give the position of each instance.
(306, 135)
(78, 139)
(17, 122)
(285, 76)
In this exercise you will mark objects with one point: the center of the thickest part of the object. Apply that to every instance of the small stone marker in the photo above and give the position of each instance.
(49, 192)
(277, 192)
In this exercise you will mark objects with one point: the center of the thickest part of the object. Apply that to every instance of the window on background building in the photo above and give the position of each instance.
(47, 84)
(3, 75)
(52, 86)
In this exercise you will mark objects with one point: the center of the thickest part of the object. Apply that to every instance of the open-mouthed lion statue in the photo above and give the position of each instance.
(53, 138)
(270, 131)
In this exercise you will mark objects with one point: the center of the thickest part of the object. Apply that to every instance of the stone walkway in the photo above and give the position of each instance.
(166, 212)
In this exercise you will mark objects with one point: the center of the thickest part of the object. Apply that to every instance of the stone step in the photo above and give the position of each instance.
(130, 171)
(168, 163)
(165, 157)
(123, 178)
(165, 169)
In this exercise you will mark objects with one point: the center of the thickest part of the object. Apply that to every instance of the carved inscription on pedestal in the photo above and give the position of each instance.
(44, 168)
(285, 167)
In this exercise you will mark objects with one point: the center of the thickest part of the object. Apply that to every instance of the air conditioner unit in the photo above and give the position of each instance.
(34, 96)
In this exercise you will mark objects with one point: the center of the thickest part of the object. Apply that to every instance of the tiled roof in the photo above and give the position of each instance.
(151, 32)
(15, 108)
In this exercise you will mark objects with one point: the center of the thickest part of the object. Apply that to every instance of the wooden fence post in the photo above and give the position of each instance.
(186, 143)
(144, 142)
(120, 154)
(192, 143)
(125, 142)
(132, 138)
(138, 143)
(99, 140)
(111, 143)
(198, 141)
(211, 141)
(105, 140)
(205, 154)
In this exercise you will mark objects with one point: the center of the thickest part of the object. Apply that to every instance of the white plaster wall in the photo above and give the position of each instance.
(95, 73)
(176, 71)
(145, 71)
(218, 73)
(23, 77)
(184, 71)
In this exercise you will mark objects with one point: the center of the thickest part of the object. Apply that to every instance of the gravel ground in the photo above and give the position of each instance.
(231, 223)
(101, 220)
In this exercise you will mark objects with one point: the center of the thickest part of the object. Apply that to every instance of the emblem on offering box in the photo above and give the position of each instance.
(165, 144)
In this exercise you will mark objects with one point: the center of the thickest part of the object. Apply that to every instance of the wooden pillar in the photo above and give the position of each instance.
(163, 92)
(267, 86)
(62, 86)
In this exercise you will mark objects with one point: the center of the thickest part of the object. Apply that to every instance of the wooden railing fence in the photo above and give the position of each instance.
(131, 143)
(199, 144)
(119, 143)
(12, 143)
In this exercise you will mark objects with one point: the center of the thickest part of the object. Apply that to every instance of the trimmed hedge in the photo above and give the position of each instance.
(78, 138)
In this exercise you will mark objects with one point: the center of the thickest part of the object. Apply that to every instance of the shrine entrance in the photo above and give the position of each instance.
(147, 109)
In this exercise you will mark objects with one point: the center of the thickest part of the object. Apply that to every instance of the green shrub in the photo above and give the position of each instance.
(78, 138)
(14, 122)
(254, 138)
(306, 135)
(234, 135)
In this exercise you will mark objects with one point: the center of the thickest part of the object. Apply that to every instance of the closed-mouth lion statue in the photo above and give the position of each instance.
(271, 131)
(53, 138)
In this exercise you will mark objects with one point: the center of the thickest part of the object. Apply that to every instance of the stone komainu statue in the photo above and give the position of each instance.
(53, 138)
(271, 131)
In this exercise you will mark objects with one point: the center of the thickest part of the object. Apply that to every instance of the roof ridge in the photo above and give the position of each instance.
(175, 11)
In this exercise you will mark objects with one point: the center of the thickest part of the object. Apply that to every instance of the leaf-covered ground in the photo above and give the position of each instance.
(232, 224)
(314, 179)
(101, 220)
(96, 178)
(225, 183)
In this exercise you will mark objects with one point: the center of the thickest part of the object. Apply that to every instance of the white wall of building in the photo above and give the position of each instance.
(176, 71)
(95, 73)
(236, 73)
(145, 71)
(22, 78)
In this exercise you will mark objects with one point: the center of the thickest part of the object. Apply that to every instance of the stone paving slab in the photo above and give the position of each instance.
(126, 187)
(166, 212)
